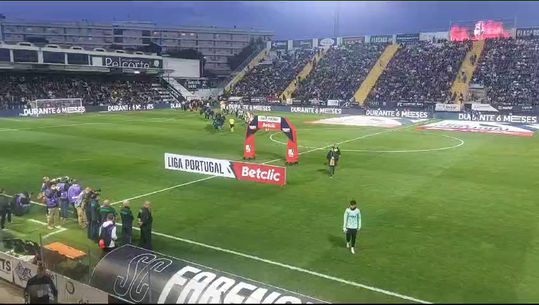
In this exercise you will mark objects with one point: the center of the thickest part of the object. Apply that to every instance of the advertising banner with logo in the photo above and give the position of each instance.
(447, 107)
(399, 114)
(381, 39)
(267, 174)
(127, 62)
(133, 107)
(353, 40)
(527, 32)
(481, 127)
(327, 42)
(52, 110)
(6, 267)
(316, 110)
(483, 107)
(279, 44)
(73, 292)
(407, 37)
(23, 271)
(144, 277)
(303, 44)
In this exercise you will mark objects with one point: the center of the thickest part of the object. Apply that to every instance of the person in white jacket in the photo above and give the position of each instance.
(107, 234)
(352, 224)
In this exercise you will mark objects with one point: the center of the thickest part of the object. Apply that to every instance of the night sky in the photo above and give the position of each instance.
(288, 20)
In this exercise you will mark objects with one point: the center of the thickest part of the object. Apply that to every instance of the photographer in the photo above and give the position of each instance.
(20, 204)
(63, 188)
(94, 219)
(52, 196)
(81, 209)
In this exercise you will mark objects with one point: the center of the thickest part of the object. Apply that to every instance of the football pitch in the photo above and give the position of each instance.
(446, 216)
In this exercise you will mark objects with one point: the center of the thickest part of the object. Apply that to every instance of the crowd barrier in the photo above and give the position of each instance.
(18, 271)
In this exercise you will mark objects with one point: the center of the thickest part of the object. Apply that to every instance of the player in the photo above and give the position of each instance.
(352, 224)
(231, 121)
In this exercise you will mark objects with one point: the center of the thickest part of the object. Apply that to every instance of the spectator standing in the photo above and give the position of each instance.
(107, 234)
(145, 221)
(40, 288)
(106, 209)
(94, 219)
(127, 223)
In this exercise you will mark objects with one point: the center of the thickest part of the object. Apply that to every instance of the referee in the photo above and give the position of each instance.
(231, 121)
(352, 224)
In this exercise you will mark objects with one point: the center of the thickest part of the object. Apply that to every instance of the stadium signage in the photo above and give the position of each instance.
(134, 107)
(6, 271)
(447, 107)
(480, 127)
(141, 276)
(304, 44)
(175, 106)
(527, 32)
(129, 62)
(483, 107)
(398, 114)
(353, 40)
(225, 168)
(52, 110)
(407, 37)
(316, 110)
(519, 119)
(381, 39)
(280, 44)
(327, 42)
(262, 108)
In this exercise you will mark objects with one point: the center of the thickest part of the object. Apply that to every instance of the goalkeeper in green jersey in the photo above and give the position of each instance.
(352, 225)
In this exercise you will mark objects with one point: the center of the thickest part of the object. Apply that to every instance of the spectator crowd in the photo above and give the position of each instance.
(270, 79)
(420, 72)
(17, 89)
(340, 72)
(509, 71)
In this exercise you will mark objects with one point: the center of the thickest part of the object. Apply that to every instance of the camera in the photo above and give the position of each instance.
(94, 194)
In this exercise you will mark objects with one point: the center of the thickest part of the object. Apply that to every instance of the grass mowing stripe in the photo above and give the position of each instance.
(267, 162)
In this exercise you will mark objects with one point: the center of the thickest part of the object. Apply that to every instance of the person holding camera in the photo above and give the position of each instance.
(80, 206)
(53, 201)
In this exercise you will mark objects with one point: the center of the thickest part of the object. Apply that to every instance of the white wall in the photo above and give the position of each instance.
(183, 68)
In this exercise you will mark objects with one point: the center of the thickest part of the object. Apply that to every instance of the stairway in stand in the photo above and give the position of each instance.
(462, 85)
(303, 74)
(366, 86)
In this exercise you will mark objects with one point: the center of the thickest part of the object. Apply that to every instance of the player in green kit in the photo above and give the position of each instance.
(352, 225)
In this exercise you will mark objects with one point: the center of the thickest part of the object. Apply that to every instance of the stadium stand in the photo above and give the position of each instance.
(420, 72)
(509, 70)
(269, 79)
(340, 72)
(17, 89)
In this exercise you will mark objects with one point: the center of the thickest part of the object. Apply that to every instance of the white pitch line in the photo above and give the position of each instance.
(267, 162)
(60, 230)
(290, 267)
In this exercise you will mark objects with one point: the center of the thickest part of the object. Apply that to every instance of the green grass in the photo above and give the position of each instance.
(458, 225)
